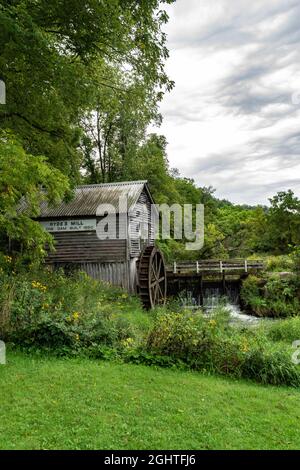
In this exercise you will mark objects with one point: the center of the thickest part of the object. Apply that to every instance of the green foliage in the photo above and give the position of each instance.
(251, 295)
(296, 262)
(276, 296)
(214, 346)
(65, 314)
(284, 221)
(283, 331)
(54, 59)
(280, 263)
(26, 181)
(83, 84)
(273, 367)
(75, 315)
(242, 231)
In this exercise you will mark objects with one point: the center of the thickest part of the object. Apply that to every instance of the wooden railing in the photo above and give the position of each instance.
(215, 266)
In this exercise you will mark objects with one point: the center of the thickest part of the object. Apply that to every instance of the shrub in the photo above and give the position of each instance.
(274, 296)
(287, 330)
(270, 367)
(213, 345)
(64, 313)
(280, 263)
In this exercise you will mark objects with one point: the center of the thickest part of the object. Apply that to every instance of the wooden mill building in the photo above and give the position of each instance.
(116, 257)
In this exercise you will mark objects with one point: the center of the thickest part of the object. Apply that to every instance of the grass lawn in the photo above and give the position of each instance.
(52, 403)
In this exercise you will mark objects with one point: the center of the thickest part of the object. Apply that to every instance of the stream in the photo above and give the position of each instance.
(214, 297)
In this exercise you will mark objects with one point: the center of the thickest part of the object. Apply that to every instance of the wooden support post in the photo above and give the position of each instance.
(246, 266)
(201, 291)
(197, 267)
(224, 284)
(175, 268)
(221, 266)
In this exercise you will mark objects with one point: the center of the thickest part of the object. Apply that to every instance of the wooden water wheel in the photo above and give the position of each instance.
(152, 278)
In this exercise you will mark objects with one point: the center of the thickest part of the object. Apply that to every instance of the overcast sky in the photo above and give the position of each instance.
(233, 119)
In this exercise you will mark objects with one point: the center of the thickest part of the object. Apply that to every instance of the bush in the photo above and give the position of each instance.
(213, 345)
(270, 367)
(251, 295)
(280, 263)
(296, 262)
(61, 313)
(287, 330)
(273, 297)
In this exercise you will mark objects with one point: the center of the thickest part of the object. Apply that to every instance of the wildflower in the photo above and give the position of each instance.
(8, 258)
(245, 347)
(212, 322)
(76, 315)
(128, 342)
(39, 286)
(77, 337)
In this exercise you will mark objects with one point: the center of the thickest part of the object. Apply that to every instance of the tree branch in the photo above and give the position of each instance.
(53, 132)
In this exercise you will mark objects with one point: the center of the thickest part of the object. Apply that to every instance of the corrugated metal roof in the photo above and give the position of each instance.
(87, 199)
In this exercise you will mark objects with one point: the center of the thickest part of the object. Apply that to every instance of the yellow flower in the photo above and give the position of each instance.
(75, 316)
(77, 337)
(8, 259)
(128, 342)
(39, 286)
(212, 322)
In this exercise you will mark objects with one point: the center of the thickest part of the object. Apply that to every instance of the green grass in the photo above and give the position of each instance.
(49, 403)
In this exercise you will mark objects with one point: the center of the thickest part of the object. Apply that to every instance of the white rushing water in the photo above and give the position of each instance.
(237, 316)
(235, 313)
(213, 299)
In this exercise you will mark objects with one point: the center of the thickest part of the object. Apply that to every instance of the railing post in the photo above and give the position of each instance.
(221, 266)
(246, 266)
(197, 265)
(175, 268)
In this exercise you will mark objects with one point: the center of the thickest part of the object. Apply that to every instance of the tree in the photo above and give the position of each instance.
(24, 183)
(115, 130)
(284, 221)
(63, 61)
(54, 58)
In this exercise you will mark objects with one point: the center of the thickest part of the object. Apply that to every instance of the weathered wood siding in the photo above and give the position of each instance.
(114, 273)
(140, 217)
(74, 247)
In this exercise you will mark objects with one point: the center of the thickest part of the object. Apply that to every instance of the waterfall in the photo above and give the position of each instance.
(214, 296)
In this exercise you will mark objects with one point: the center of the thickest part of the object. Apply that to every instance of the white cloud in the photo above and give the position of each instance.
(230, 121)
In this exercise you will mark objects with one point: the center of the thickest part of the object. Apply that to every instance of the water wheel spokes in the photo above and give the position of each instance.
(152, 278)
